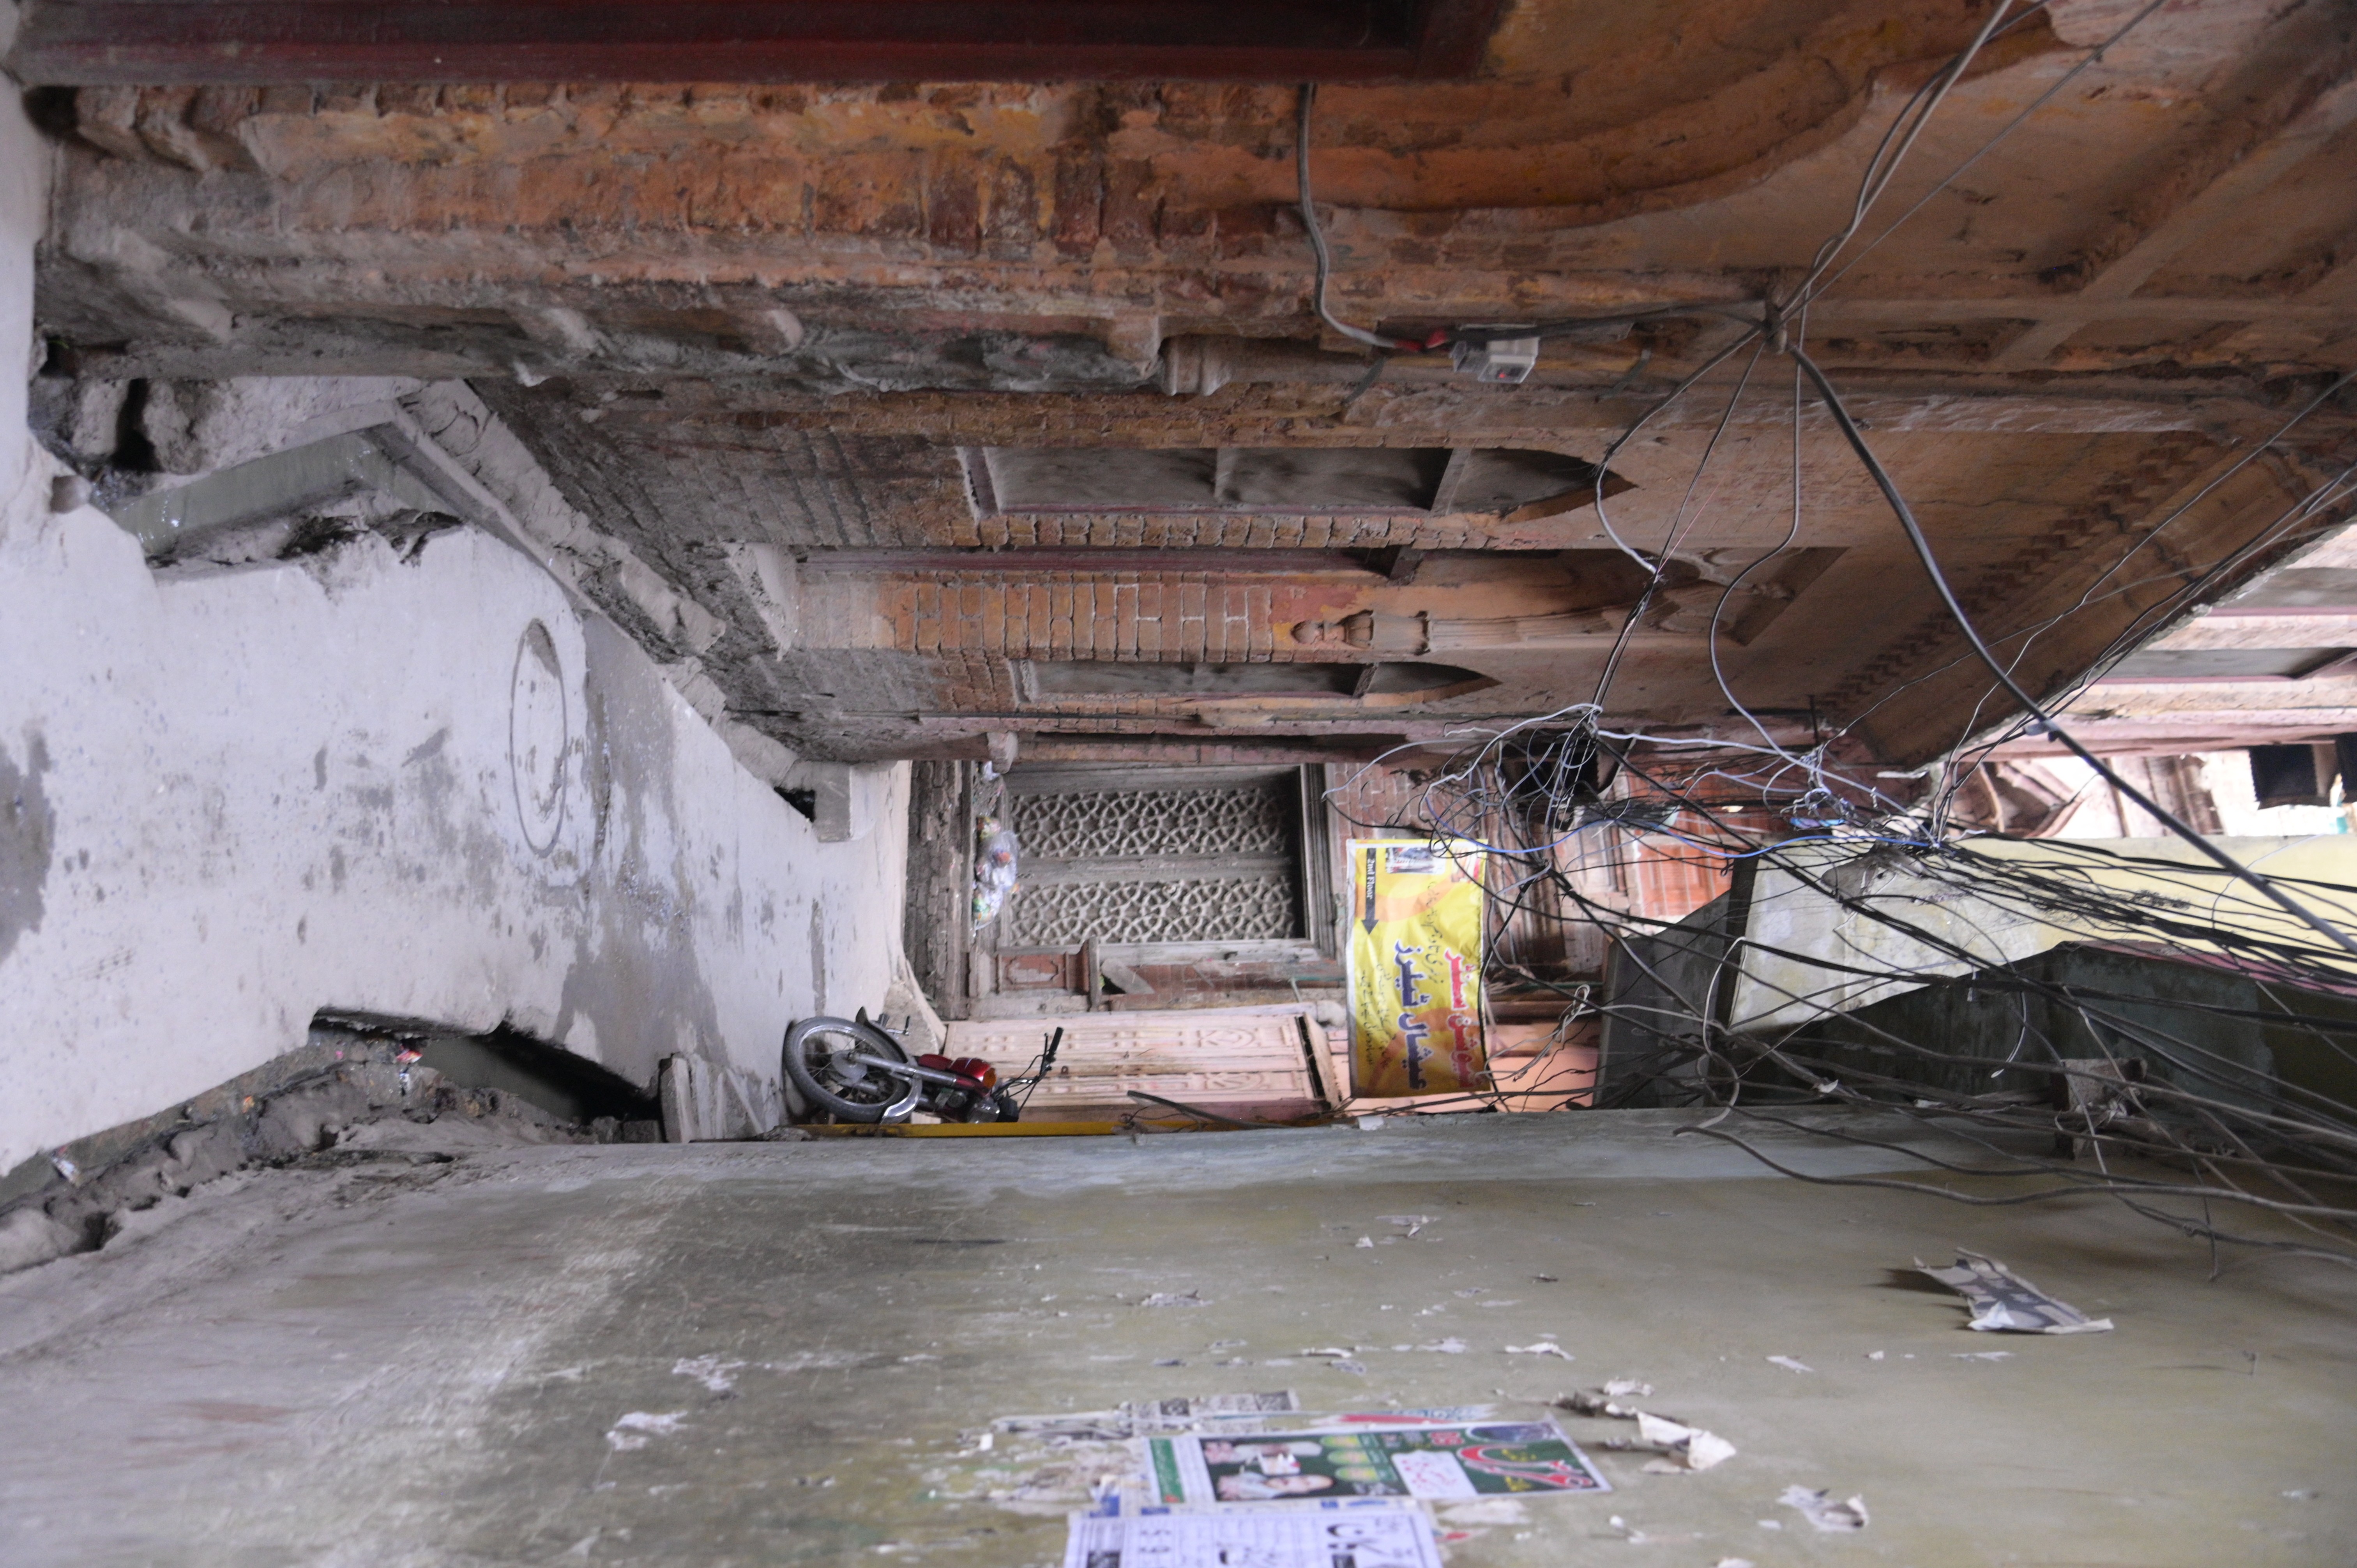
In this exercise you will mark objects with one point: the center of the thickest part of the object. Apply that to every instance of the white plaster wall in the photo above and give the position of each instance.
(228, 802)
(234, 801)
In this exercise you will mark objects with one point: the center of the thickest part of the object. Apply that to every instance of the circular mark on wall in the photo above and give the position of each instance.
(539, 737)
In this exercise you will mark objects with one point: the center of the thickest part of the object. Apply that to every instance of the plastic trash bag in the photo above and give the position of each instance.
(995, 856)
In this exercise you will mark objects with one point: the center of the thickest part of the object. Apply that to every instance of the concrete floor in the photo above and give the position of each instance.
(386, 1361)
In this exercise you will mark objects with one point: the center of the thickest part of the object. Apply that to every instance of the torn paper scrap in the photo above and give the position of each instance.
(1789, 1364)
(2002, 1302)
(1619, 1387)
(1690, 1446)
(1396, 1536)
(1544, 1348)
(1820, 1509)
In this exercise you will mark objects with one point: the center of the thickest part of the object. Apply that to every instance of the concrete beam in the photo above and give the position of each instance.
(379, 448)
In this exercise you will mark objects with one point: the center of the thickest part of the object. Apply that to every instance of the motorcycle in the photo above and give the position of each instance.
(858, 1070)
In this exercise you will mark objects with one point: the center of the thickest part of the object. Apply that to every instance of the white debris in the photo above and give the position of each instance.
(1983, 1355)
(1820, 1509)
(1874, 1355)
(1639, 1538)
(1364, 1241)
(1690, 1447)
(1446, 1347)
(713, 1373)
(1543, 1347)
(1167, 1298)
(633, 1428)
(1617, 1388)
(1789, 1364)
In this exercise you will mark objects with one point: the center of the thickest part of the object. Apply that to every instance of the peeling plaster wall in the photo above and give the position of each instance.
(425, 788)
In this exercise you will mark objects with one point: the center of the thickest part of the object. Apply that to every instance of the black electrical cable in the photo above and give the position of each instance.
(1924, 552)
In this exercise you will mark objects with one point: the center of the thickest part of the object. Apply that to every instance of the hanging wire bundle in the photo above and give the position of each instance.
(2222, 1086)
(2175, 1030)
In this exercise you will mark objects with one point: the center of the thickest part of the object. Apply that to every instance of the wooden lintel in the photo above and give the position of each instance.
(80, 43)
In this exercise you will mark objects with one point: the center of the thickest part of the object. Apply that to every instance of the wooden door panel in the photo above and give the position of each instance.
(1255, 1064)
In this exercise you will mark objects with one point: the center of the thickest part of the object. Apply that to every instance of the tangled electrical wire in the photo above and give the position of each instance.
(2176, 1035)
(2132, 1025)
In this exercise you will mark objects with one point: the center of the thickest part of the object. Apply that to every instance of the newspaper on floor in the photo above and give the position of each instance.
(1227, 1414)
(1138, 1418)
(1388, 1534)
(2002, 1302)
(1335, 1458)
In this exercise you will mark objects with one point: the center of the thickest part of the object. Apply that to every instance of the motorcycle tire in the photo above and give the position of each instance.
(815, 1052)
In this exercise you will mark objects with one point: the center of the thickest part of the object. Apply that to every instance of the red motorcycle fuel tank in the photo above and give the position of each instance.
(980, 1074)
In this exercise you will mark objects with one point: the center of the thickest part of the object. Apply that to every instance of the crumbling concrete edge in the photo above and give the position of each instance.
(68, 1199)
(398, 448)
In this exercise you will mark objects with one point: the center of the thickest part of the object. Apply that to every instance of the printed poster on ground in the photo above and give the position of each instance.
(1436, 1462)
(1415, 967)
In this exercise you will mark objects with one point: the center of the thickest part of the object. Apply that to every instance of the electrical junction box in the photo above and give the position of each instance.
(1502, 362)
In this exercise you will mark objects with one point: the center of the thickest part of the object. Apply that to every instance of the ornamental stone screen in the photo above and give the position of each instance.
(1158, 864)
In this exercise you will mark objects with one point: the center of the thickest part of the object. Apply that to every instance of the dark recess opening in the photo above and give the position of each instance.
(2287, 775)
(548, 1076)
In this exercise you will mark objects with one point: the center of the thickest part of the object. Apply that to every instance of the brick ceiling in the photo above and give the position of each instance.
(724, 317)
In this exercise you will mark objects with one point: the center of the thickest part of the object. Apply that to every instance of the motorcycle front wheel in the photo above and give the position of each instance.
(819, 1063)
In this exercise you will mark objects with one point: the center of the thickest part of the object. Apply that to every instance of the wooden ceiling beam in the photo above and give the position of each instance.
(2212, 185)
(80, 43)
